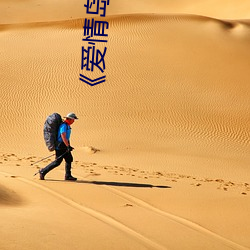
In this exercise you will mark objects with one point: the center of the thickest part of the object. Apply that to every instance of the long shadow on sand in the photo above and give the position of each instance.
(114, 183)
(122, 184)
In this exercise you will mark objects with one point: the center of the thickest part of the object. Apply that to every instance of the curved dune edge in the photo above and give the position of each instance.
(79, 22)
(49, 10)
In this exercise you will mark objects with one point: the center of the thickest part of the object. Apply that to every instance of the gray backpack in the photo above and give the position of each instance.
(50, 130)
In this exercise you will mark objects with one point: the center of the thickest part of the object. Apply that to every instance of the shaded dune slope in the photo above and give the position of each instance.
(9, 197)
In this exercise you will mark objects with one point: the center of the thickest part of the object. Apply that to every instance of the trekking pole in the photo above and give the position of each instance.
(46, 158)
(41, 160)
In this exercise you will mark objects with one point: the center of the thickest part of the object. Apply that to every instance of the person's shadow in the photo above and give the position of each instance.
(122, 184)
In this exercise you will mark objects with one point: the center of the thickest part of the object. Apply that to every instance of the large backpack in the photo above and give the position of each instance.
(50, 130)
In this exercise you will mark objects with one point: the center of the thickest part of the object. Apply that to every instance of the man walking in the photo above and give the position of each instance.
(63, 150)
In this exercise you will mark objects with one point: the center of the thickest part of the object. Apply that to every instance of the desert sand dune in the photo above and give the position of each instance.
(38, 11)
(161, 148)
(200, 107)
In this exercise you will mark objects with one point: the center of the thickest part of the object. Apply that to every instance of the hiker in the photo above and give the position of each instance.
(63, 149)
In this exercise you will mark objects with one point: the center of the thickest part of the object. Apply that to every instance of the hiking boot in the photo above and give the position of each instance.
(41, 175)
(70, 178)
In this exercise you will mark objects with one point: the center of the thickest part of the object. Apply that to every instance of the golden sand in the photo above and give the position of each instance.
(161, 148)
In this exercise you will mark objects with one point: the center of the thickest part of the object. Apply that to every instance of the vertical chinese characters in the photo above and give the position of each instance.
(95, 32)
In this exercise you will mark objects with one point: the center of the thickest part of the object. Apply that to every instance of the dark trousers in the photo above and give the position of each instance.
(60, 155)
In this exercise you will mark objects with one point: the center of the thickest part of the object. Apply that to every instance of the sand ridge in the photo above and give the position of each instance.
(161, 148)
(50, 11)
